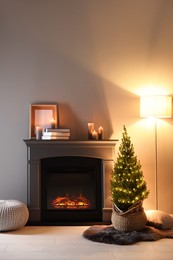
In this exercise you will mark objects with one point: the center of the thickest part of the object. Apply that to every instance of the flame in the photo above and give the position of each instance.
(71, 202)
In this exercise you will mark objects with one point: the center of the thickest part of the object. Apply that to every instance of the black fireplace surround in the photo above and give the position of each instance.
(71, 189)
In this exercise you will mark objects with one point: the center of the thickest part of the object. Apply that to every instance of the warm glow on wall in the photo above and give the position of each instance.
(153, 90)
(156, 106)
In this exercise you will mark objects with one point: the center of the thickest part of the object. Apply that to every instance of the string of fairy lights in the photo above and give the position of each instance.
(127, 183)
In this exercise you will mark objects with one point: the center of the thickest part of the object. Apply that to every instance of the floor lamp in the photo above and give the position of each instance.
(156, 107)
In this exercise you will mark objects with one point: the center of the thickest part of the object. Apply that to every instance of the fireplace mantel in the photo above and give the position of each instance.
(39, 149)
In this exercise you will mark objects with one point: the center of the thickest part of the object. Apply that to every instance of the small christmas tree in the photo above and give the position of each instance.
(127, 182)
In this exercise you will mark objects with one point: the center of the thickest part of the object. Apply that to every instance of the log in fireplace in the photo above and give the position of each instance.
(69, 181)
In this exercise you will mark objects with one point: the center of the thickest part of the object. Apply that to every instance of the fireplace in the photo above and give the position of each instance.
(69, 181)
(71, 189)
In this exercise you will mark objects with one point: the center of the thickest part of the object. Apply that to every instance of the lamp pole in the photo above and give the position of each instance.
(156, 175)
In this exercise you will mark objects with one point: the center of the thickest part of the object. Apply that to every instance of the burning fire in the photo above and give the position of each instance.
(71, 202)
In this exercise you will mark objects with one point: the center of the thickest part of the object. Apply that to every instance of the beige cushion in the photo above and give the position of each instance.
(13, 215)
(159, 219)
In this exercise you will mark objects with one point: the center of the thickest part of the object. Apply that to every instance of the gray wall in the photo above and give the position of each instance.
(93, 58)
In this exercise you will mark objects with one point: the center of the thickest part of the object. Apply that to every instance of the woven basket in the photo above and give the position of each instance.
(132, 219)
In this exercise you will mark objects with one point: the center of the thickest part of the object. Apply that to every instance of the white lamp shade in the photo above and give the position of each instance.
(156, 106)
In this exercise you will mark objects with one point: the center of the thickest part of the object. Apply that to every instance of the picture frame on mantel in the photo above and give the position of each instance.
(44, 116)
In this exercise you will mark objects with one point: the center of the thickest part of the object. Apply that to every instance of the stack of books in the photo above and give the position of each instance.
(56, 134)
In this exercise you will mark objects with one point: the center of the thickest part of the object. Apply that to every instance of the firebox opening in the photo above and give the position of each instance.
(71, 189)
(71, 202)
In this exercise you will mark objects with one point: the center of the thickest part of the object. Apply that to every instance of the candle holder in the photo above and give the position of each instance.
(53, 123)
(38, 132)
(90, 130)
(100, 133)
(94, 135)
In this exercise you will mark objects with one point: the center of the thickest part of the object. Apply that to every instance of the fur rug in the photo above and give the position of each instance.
(109, 235)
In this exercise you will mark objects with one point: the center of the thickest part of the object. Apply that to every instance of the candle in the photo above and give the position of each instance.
(38, 132)
(100, 133)
(90, 130)
(94, 135)
(53, 123)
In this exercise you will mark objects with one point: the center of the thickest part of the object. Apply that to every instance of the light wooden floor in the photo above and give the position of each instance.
(63, 243)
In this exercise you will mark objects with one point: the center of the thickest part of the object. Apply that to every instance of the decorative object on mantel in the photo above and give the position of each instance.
(56, 134)
(93, 134)
(100, 133)
(90, 130)
(128, 189)
(38, 132)
(42, 116)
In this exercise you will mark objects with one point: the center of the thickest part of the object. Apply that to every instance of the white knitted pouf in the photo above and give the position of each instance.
(13, 215)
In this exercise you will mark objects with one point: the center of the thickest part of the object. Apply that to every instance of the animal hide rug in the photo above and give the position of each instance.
(109, 235)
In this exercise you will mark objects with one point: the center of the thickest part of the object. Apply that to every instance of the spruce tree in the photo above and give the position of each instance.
(127, 182)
